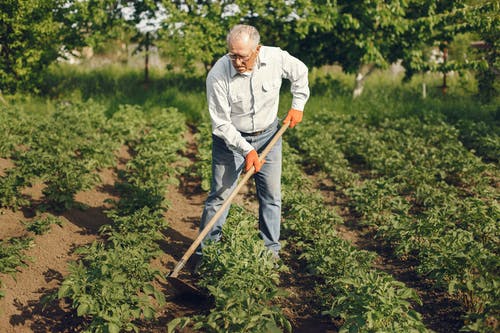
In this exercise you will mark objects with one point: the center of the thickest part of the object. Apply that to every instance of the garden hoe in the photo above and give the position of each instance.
(184, 287)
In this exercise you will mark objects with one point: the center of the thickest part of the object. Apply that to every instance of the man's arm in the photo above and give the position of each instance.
(297, 72)
(220, 114)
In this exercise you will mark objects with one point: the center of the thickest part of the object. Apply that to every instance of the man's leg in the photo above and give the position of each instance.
(226, 168)
(268, 185)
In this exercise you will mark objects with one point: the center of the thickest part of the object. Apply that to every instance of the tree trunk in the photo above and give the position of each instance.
(444, 87)
(146, 61)
(363, 72)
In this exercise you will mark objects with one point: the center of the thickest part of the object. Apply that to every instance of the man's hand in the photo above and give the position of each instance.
(294, 116)
(252, 158)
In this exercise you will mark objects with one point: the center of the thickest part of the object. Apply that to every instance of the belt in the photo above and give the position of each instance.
(254, 133)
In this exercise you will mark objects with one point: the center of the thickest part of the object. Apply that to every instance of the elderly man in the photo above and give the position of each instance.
(243, 95)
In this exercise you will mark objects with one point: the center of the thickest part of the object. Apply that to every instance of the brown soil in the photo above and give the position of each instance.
(21, 309)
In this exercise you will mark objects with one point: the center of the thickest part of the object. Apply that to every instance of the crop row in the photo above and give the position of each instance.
(62, 149)
(239, 272)
(364, 298)
(242, 277)
(427, 196)
(12, 255)
(345, 271)
(112, 284)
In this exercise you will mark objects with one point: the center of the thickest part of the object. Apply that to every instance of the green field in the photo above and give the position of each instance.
(415, 179)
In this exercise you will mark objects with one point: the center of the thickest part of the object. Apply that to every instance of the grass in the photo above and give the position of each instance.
(115, 85)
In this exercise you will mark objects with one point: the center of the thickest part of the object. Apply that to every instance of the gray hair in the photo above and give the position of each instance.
(240, 30)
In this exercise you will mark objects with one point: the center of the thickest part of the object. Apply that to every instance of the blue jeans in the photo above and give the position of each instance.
(227, 166)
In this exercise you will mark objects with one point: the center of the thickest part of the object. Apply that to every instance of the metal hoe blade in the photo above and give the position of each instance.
(184, 288)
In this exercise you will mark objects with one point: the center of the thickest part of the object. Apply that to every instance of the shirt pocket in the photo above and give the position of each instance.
(269, 86)
(237, 104)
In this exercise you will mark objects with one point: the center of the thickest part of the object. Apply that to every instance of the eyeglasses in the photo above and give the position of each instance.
(235, 57)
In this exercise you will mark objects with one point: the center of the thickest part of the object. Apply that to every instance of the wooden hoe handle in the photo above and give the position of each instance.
(225, 204)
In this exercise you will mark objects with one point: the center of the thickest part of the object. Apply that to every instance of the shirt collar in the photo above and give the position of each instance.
(263, 56)
(232, 70)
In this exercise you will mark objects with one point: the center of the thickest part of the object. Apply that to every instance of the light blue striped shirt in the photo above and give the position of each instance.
(248, 102)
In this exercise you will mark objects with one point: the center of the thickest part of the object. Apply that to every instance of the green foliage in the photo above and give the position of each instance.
(197, 28)
(10, 186)
(202, 168)
(148, 173)
(242, 276)
(418, 187)
(350, 289)
(33, 35)
(11, 253)
(348, 33)
(373, 302)
(112, 286)
(482, 137)
(12, 256)
(41, 225)
(94, 20)
(62, 149)
(116, 87)
(112, 283)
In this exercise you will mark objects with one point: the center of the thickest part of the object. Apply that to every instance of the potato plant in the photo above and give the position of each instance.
(41, 225)
(12, 255)
(364, 298)
(63, 149)
(111, 284)
(420, 191)
(242, 277)
(202, 168)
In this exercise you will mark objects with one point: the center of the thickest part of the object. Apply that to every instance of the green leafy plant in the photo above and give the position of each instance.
(12, 255)
(41, 225)
(242, 276)
(112, 284)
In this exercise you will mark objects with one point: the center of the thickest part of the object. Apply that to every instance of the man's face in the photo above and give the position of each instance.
(242, 54)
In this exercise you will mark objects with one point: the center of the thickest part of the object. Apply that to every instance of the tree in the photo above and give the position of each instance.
(32, 35)
(360, 35)
(352, 33)
(198, 29)
(145, 21)
(484, 20)
(101, 21)
(35, 33)
(443, 22)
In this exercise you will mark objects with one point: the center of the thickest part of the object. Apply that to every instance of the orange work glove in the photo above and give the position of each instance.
(252, 158)
(294, 117)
